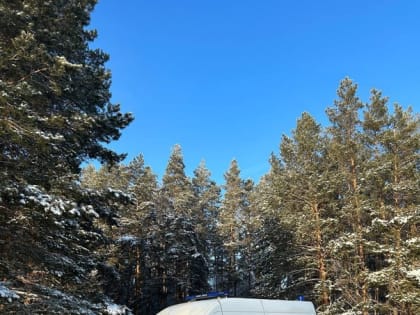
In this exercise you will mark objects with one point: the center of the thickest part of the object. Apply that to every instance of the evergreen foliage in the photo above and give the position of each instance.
(55, 113)
(55, 100)
(206, 218)
(336, 218)
(182, 243)
(230, 227)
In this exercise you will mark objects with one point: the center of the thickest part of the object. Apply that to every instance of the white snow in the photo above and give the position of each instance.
(64, 62)
(414, 274)
(75, 212)
(413, 241)
(127, 239)
(115, 309)
(90, 211)
(58, 273)
(49, 135)
(377, 221)
(120, 194)
(401, 220)
(54, 204)
(6, 293)
(196, 255)
(379, 277)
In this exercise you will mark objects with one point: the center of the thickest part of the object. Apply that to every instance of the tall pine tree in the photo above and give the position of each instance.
(181, 241)
(205, 216)
(348, 155)
(306, 194)
(230, 228)
(55, 113)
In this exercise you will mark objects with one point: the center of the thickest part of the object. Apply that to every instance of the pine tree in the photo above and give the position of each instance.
(176, 185)
(306, 196)
(205, 216)
(375, 124)
(275, 247)
(180, 239)
(249, 228)
(55, 101)
(347, 153)
(230, 218)
(55, 113)
(393, 189)
(403, 148)
(141, 238)
(115, 177)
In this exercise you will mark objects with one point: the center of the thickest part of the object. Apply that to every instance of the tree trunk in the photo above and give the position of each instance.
(138, 275)
(320, 255)
(359, 228)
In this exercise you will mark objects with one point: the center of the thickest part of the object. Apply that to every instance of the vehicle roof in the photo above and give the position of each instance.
(206, 307)
(258, 306)
(288, 307)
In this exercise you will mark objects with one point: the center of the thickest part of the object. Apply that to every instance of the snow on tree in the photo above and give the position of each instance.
(55, 113)
(186, 268)
(205, 215)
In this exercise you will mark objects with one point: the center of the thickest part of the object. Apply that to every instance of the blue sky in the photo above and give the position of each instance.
(226, 78)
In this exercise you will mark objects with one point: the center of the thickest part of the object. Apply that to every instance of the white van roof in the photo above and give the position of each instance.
(240, 306)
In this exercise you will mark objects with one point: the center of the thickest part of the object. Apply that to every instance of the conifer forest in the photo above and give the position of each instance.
(336, 219)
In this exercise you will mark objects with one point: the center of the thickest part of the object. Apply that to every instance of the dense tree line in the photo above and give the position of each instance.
(336, 219)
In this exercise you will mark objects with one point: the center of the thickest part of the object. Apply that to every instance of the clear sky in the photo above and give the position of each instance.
(226, 78)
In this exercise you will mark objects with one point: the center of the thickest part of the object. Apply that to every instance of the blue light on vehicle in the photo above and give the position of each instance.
(209, 295)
